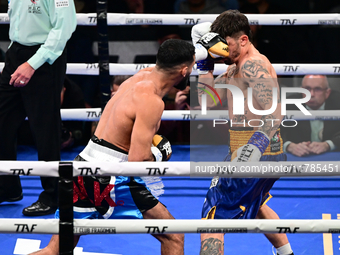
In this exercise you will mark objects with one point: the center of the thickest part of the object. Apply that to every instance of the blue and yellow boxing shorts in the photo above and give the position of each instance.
(241, 198)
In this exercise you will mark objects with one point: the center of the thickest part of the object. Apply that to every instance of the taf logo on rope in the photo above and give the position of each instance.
(20, 171)
(92, 66)
(287, 230)
(290, 69)
(93, 114)
(25, 228)
(156, 170)
(92, 20)
(142, 66)
(88, 170)
(288, 22)
(189, 116)
(336, 69)
(155, 229)
(189, 21)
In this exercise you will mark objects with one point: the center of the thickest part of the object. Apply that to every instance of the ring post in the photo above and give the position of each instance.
(66, 236)
(103, 52)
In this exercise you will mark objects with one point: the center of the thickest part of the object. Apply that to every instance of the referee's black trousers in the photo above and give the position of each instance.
(39, 100)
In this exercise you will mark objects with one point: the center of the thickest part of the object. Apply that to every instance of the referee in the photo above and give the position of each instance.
(30, 86)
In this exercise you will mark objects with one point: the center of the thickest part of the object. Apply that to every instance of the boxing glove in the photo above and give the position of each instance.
(161, 148)
(208, 46)
(253, 150)
(216, 46)
(197, 32)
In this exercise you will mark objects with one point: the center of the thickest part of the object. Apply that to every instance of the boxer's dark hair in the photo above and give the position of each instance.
(231, 23)
(174, 52)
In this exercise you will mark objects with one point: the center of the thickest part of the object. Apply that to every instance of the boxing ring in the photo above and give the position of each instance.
(175, 170)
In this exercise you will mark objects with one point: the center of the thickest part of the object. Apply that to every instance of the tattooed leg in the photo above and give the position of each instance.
(212, 244)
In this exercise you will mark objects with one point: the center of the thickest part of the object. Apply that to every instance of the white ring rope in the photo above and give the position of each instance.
(32, 226)
(93, 114)
(262, 169)
(90, 19)
(130, 69)
(121, 226)
(281, 69)
(254, 19)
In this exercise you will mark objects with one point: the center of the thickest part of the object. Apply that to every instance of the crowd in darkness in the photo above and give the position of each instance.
(297, 43)
(281, 44)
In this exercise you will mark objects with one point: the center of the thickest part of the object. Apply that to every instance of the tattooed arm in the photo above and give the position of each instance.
(265, 93)
(212, 246)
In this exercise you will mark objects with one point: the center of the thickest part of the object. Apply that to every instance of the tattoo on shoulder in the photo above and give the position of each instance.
(211, 246)
(254, 69)
(232, 71)
(224, 78)
(221, 79)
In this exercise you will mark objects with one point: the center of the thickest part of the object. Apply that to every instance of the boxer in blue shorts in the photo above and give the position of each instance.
(111, 197)
(241, 198)
(253, 137)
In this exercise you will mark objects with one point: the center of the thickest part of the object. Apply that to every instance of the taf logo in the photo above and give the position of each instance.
(92, 66)
(191, 21)
(88, 170)
(140, 67)
(290, 69)
(25, 228)
(288, 22)
(189, 116)
(20, 171)
(93, 114)
(155, 230)
(92, 19)
(336, 69)
(156, 170)
(287, 230)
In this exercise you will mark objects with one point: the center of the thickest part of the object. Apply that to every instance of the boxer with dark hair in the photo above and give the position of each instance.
(126, 132)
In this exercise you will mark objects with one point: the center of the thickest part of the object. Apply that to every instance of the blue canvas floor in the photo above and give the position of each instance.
(293, 198)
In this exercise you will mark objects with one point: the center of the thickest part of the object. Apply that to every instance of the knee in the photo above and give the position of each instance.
(265, 212)
(175, 239)
(179, 238)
